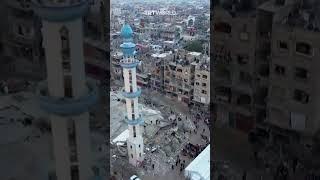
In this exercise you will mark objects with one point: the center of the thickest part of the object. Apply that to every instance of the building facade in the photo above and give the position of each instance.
(265, 66)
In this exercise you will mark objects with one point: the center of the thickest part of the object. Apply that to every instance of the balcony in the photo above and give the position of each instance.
(60, 12)
(129, 63)
(138, 121)
(131, 95)
(66, 106)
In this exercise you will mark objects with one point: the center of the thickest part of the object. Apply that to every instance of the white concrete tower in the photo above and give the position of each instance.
(66, 95)
(131, 92)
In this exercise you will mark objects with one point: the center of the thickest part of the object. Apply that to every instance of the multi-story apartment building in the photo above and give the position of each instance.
(201, 92)
(95, 43)
(179, 75)
(275, 56)
(234, 61)
(116, 70)
(20, 40)
(293, 84)
(157, 71)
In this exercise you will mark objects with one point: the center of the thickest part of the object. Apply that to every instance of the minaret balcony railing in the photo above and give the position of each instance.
(137, 121)
(131, 95)
(128, 48)
(66, 106)
(129, 63)
(60, 12)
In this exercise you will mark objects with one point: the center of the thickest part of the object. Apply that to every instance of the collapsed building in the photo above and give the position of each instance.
(164, 137)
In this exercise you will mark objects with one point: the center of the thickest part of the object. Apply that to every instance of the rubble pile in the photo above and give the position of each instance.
(165, 136)
(162, 149)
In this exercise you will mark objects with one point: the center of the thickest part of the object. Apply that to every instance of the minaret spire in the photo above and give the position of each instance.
(131, 92)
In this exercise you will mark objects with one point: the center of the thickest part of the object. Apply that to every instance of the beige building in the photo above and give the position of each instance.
(179, 77)
(201, 92)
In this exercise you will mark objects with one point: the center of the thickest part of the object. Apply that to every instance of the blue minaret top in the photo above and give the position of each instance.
(126, 31)
(128, 47)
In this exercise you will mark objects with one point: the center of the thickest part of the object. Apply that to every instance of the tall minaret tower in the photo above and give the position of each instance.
(131, 92)
(66, 95)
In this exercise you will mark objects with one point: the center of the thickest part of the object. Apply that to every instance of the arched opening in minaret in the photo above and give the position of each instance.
(134, 131)
(130, 81)
(65, 47)
(66, 63)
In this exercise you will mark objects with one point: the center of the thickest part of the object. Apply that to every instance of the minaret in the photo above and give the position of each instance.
(131, 92)
(66, 95)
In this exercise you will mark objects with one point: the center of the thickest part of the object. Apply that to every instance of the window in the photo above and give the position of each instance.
(134, 131)
(242, 59)
(204, 84)
(244, 35)
(222, 27)
(304, 48)
(132, 156)
(66, 65)
(139, 145)
(197, 83)
(20, 31)
(65, 50)
(140, 154)
(204, 92)
(198, 75)
(300, 73)
(179, 70)
(301, 96)
(204, 76)
(67, 86)
(131, 146)
(283, 45)
(279, 70)
(132, 105)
